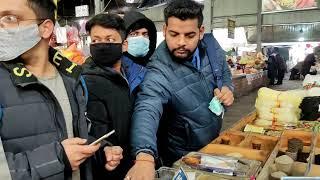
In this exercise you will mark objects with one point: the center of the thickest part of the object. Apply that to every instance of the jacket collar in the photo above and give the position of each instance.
(22, 77)
(91, 68)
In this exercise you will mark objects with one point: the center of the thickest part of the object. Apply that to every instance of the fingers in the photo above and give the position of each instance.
(113, 153)
(88, 149)
(227, 96)
(111, 165)
(74, 141)
(218, 94)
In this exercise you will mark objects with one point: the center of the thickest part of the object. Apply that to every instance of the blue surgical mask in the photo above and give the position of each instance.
(138, 46)
(15, 42)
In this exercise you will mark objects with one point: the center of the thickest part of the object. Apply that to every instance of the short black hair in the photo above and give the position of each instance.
(138, 25)
(112, 21)
(184, 9)
(44, 9)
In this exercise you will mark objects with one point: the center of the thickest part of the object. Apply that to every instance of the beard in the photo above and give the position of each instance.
(188, 54)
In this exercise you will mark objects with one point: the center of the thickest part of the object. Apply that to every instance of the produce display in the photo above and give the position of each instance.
(250, 63)
(278, 108)
(279, 5)
(73, 54)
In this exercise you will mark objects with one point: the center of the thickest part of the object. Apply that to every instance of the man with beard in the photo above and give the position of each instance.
(182, 79)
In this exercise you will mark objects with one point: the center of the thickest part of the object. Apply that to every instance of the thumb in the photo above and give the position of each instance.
(217, 92)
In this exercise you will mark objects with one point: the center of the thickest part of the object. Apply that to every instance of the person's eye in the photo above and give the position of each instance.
(134, 34)
(191, 36)
(173, 34)
(9, 19)
(111, 40)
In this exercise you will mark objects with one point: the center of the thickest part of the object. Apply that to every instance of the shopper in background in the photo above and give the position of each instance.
(310, 60)
(42, 103)
(141, 40)
(280, 65)
(272, 66)
(178, 87)
(109, 103)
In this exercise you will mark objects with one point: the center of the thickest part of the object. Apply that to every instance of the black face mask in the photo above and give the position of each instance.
(106, 54)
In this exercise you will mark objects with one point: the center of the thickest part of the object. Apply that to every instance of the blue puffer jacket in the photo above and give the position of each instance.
(134, 73)
(177, 94)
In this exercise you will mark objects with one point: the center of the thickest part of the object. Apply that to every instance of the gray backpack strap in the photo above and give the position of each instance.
(4, 168)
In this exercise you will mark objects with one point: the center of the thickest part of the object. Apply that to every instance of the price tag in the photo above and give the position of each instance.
(82, 11)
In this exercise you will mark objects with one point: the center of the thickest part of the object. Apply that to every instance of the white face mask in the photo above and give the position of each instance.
(16, 41)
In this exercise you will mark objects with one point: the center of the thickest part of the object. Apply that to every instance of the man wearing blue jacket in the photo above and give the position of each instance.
(188, 72)
(141, 41)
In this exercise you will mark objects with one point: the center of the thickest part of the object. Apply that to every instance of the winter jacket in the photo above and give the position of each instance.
(309, 61)
(33, 124)
(171, 116)
(109, 107)
(134, 72)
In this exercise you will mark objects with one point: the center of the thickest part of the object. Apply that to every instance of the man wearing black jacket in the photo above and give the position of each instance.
(109, 105)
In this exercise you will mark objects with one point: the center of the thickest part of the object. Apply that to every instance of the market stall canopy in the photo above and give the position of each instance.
(286, 33)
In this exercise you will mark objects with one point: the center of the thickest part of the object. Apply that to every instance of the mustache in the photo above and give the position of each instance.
(181, 49)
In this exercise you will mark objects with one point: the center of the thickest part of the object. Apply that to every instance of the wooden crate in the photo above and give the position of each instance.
(299, 167)
(245, 140)
(255, 166)
(241, 124)
(242, 143)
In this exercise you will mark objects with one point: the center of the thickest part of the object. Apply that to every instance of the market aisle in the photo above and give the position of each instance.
(245, 104)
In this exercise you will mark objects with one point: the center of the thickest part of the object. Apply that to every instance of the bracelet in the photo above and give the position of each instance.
(144, 160)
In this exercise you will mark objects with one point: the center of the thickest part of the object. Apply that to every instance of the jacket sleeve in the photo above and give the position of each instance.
(42, 162)
(226, 74)
(154, 94)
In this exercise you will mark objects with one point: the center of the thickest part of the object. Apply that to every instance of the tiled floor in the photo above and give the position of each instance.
(245, 104)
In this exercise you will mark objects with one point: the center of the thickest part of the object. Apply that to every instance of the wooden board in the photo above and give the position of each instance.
(302, 135)
(220, 149)
(245, 140)
(248, 119)
(264, 173)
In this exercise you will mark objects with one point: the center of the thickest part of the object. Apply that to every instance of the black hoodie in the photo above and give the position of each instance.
(130, 19)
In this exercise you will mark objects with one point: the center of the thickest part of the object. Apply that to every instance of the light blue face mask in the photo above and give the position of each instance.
(138, 46)
(15, 42)
(216, 107)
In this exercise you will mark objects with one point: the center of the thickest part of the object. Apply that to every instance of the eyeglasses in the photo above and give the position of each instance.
(12, 21)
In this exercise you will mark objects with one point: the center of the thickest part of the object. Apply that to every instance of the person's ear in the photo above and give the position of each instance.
(46, 29)
(164, 30)
(125, 46)
(201, 32)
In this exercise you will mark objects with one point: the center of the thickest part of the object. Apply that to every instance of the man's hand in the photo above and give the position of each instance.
(144, 168)
(77, 151)
(225, 96)
(113, 157)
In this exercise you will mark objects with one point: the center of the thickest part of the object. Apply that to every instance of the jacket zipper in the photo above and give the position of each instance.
(55, 106)
(205, 84)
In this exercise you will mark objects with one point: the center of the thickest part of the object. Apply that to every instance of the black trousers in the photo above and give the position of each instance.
(280, 76)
